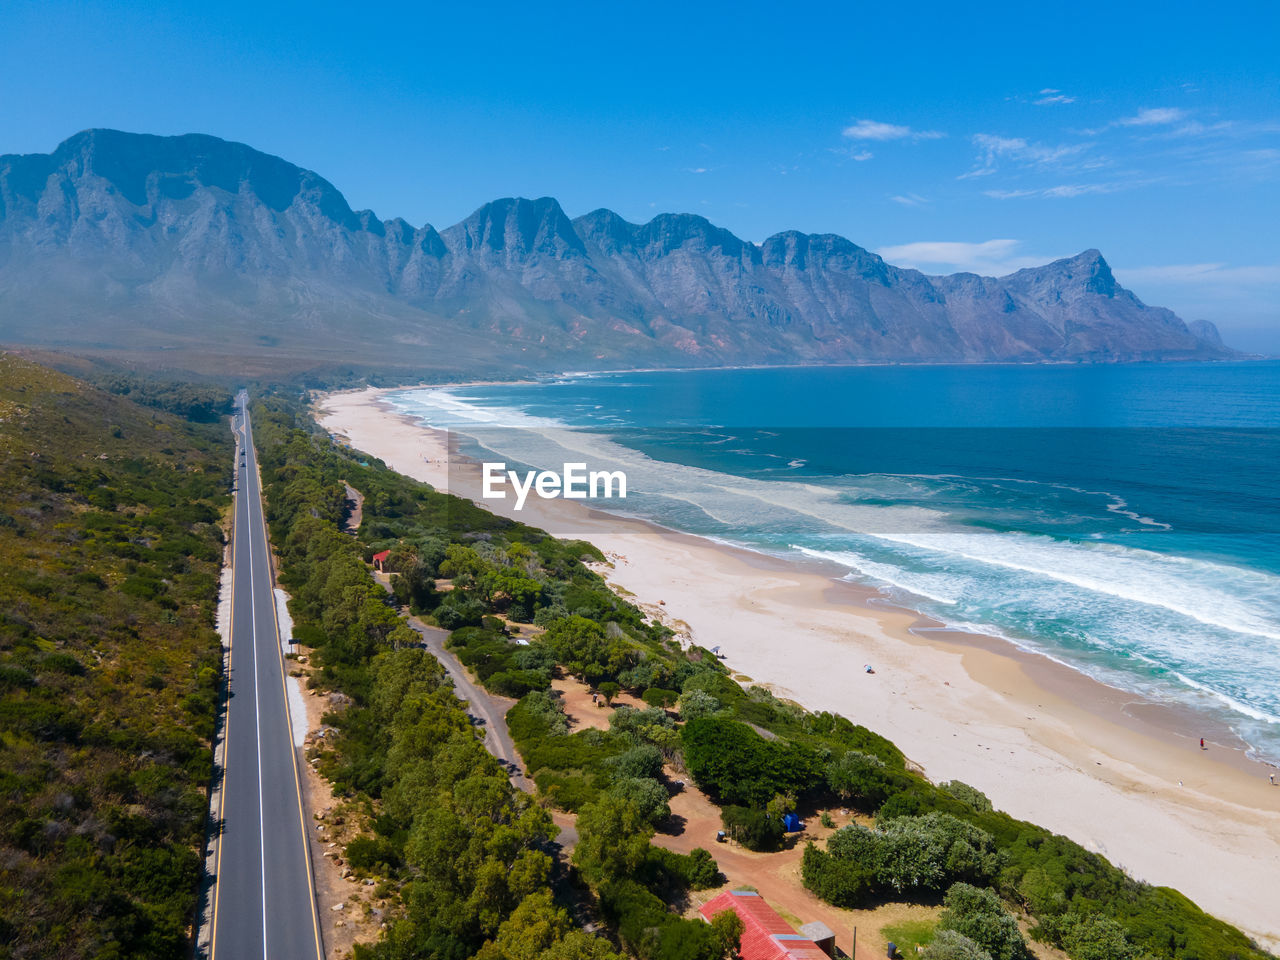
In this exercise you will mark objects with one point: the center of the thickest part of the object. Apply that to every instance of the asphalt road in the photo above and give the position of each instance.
(264, 901)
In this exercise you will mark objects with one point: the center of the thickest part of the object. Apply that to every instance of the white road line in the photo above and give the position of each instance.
(257, 705)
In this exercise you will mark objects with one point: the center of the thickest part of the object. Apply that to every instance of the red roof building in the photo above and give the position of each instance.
(765, 935)
(379, 559)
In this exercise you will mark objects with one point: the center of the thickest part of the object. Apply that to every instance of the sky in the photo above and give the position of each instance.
(943, 136)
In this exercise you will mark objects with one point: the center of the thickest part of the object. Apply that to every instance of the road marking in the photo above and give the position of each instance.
(297, 784)
(257, 722)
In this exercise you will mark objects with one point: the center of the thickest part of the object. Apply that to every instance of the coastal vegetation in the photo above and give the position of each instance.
(524, 609)
(110, 667)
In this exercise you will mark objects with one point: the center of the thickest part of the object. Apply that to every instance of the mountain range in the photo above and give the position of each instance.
(203, 253)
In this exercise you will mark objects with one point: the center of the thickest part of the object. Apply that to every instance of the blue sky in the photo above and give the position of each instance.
(944, 136)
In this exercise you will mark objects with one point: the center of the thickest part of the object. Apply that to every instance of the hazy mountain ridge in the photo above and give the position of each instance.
(178, 242)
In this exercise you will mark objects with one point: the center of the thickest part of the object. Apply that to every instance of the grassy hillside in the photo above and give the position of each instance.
(110, 542)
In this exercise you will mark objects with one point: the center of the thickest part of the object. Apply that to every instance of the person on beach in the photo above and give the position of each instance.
(1202, 743)
(1272, 778)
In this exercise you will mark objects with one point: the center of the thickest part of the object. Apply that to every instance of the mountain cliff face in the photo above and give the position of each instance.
(191, 243)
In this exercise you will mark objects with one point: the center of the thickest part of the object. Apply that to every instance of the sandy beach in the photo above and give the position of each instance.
(1122, 776)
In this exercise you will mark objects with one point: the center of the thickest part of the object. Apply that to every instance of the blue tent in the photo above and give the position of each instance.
(791, 823)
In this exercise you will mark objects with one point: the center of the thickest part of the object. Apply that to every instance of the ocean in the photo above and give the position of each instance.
(1121, 519)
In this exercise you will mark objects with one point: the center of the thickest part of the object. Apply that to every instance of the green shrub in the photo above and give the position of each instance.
(647, 795)
(842, 883)
(971, 797)
(979, 915)
(735, 765)
(658, 697)
(752, 827)
(368, 853)
(950, 945)
(640, 762)
(860, 778)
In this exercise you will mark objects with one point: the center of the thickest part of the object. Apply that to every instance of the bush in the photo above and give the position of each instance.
(971, 797)
(372, 853)
(979, 915)
(1090, 937)
(949, 945)
(651, 931)
(857, 776)
(696, 870)
(736, 765)
(657, 697)
(696, 703)
(918, 855)
(842, 883)
(929, 853)
(457, 610)
(642, 762)
(753, 828)
(647, 795)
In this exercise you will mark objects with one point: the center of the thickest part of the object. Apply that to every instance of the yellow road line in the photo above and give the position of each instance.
(297, 783)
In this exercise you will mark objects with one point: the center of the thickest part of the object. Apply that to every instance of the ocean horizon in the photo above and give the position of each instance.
(1120, 519)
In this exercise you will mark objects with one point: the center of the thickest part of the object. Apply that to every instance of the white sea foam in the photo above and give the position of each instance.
(1152, 622)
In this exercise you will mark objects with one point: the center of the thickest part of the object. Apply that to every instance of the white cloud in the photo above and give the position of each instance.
(1203, 273)
(910, 199)
(697, 169)
(1050, 95)
(863, 155)
(1153, 117)
(993, 148)
(1066, 190)
(875, 130)
(988, 257)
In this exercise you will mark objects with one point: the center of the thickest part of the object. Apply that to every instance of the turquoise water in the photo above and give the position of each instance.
(1124, 519)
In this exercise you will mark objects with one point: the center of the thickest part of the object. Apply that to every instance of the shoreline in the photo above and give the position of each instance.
(1118, 773)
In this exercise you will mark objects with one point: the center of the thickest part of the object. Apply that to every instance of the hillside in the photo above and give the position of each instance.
(111, 543)
(200, 253)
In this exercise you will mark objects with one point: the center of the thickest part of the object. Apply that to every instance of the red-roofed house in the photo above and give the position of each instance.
(765, 935)
(379, 559)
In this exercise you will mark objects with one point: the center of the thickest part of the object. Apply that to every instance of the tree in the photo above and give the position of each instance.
(927, 853)
(1091, 937)
(648, 795)
(841, 882)
(613, 839)
(859, 776)
(753, 827)
(539, 930)
(642, 761)
(979, 915)
(736, 765)
(729, 926)
(696, 703)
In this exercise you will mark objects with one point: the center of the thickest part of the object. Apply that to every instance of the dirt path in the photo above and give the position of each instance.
(355, 515)
(696, 820)
(488, 709)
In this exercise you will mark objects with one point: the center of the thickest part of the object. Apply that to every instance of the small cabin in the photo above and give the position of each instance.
(380, 561)
(765, 935)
